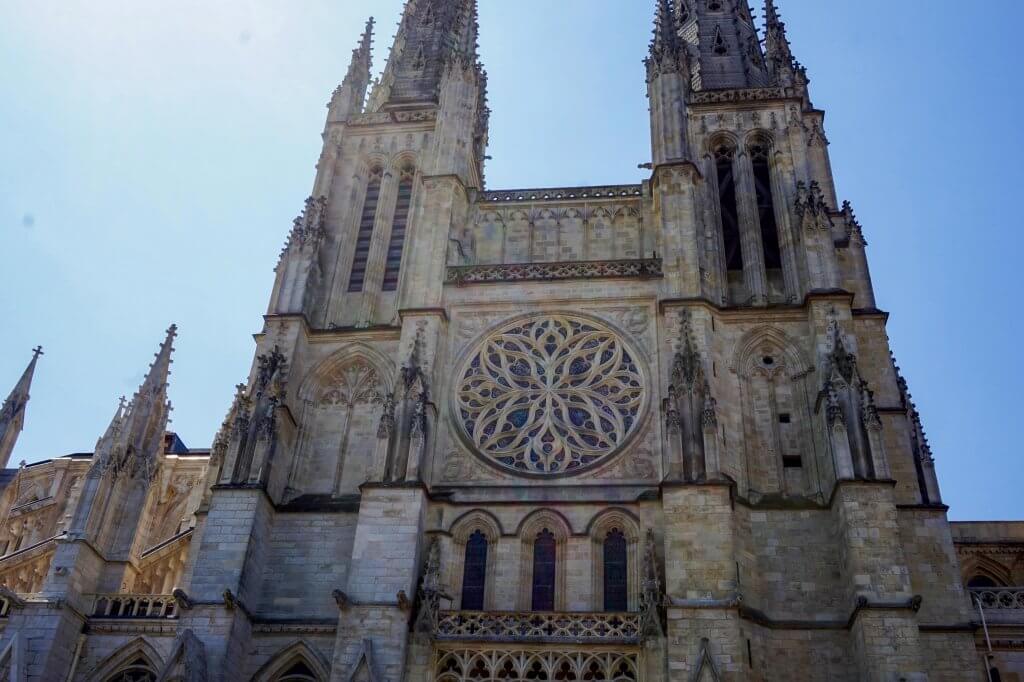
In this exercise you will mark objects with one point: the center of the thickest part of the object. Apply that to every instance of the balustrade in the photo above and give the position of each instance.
(151, 606)
(999, 598)
(542, 627)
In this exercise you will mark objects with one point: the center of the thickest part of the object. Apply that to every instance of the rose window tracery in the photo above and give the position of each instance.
(550, 394)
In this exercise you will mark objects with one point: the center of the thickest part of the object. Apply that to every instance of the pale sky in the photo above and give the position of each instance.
(154, 154)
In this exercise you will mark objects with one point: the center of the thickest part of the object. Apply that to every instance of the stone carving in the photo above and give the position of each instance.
(472, 663)
(549, 395)
(737, 95)
(533, 272)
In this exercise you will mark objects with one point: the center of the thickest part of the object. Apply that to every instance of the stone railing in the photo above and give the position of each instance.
(560, 193)
(999, 598)
(150, 606)
(504, 626)
(641, 268)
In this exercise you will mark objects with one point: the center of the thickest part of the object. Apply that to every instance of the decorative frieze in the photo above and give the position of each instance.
(561, 193)
(540, 272)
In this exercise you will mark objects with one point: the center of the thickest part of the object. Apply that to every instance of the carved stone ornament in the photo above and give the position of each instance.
(550, 394)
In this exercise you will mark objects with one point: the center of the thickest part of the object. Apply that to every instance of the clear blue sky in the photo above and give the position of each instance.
(154, 154)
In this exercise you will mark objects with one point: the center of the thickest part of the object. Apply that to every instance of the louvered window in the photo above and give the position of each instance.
(727, 207)
(474, 575)
(766, 205)
(399, 225)
(615, 564)
(365, 234)
(544, 571)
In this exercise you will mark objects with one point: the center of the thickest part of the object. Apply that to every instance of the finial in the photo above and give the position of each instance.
(37, 351)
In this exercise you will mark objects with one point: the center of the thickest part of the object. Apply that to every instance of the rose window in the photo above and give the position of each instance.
(549, 395)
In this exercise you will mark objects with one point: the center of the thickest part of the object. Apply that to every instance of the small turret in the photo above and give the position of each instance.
(668, 84)
(12, 413)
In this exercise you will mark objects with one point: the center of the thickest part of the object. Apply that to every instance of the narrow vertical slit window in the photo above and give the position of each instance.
(474, 574)
(759, 152)
(365, 235)
(727, 208)
(399, 224)
(616, 595)
(544, 571)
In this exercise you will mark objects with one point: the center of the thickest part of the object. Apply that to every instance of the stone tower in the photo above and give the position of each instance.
(633, 432)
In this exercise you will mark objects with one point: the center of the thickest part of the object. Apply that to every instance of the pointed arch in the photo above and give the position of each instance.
(342, 400)
(987, 567)
(615, 545)
(296, 653)
(475, 538)
(136, 649)
(777, 415)
(544, 536)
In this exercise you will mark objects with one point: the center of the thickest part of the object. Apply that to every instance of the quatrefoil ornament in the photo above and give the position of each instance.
(550, 394)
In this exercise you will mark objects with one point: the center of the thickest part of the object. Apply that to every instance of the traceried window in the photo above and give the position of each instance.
(724, 154)
(549, 395)
(615, 572)
(365, 235)
(474, 574)
(759, 158)
(399, 225)
(544, 549)
(138, 670)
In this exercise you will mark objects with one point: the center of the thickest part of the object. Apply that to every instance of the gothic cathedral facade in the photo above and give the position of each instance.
(644, 432)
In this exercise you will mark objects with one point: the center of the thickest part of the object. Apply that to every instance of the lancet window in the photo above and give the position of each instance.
(724, 154)
(399, 225)
(616, 594)
(474, 576)
(759, 158)
(544, 548)
(365, 235)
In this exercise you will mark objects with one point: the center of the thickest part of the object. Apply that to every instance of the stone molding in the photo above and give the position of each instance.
(642, 268)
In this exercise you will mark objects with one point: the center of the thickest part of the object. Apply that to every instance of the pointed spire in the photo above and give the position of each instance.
(432, 35)
(667, 52)
(12, 413)
(782, 66)
(139, 436)
(348, 98)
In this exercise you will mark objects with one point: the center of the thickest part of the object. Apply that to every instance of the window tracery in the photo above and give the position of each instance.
(549, 395)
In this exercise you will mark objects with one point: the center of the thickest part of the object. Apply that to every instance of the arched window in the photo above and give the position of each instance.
(759, 152)
(616, 595)
(544, 571)
(981, 581)
(724, 154)
(138, 670)
(365, 235)
(474, 574)
(299, 672)
(399, 224)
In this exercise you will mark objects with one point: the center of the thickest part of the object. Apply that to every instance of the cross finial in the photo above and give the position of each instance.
(37, 351)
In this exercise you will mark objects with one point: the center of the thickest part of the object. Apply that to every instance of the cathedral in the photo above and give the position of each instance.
(644, 433)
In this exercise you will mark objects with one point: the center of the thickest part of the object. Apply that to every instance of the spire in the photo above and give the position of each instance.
(137, 431)
(782, 67)
(12, 413)
(726, 49)
(348, 98)
(431, 35)
(667, 53)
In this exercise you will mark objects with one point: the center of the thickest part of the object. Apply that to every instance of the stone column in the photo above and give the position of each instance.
(754, 274)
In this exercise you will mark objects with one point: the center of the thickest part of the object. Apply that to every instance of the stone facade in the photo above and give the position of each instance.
(635, 432)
